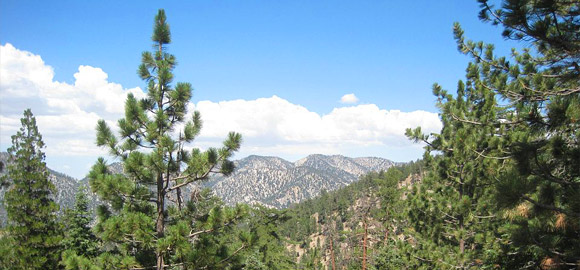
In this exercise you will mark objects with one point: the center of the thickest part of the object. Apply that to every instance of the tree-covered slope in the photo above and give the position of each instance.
(331, 226)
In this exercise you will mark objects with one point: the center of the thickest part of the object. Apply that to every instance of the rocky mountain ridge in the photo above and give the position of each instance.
(271, 181)
(278, 183)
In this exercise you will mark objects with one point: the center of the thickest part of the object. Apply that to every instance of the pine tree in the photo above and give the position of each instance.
(31, 210)
(522, 151)
(540, 88)
(217, 237)
(452, 212)
(269, 247)
(390, 197)
(78, 236)
(147, 228)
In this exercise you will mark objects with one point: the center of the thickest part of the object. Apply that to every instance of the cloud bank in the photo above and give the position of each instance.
(67, 115)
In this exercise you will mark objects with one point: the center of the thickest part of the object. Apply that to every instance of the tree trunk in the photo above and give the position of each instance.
(179, 199)
(160, 224)
(332, 254)
(364, 258)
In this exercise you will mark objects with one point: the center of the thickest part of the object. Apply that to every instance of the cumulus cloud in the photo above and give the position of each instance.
(279, 119)
(67, 115)
(274, 125)
(349, 99)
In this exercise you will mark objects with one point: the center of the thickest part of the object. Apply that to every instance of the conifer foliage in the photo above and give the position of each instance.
(515, 128)
(143, 224)
(78, 236)
(32, 222)
(452, 213)
(540, 194)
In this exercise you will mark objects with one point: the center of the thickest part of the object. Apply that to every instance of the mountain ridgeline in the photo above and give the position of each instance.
(278, 183)
(270, 181)
(498, 187)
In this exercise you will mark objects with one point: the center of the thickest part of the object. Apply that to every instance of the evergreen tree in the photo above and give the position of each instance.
(78, 236)
(390, 198)
(451, 214)
(217, 237)
(268, 246)
(145, 227)
(32, 223)
(541, 88)
(522, 152)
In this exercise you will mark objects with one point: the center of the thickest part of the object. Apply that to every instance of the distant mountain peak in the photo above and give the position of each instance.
(276, 182)
(268, 180)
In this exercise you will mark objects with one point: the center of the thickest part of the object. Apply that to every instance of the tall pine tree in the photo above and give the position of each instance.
(540, 88)
(532, 132)
(142, 224)
(452, 212)
(32, 221)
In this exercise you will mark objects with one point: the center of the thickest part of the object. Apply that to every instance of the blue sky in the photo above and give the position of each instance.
(269, 59)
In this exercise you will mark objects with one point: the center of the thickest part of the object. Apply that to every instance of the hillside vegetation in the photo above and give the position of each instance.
(336, 227)
(497, 188)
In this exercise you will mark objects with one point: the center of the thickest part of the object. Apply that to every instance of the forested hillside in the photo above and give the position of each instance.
(348, 226)
(498, 186)
(268, 181)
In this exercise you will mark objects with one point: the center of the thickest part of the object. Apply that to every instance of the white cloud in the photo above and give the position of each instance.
(67, 115)
(277, 122)
(349, 99)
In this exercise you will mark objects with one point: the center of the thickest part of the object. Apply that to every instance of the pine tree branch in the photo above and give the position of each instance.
(546, 172)
(135, 198)
(229, 257)
(139, 143)
(550, 207)
(465, 120)
(193, 234)
(485, 217)
(191, 180)
(485, 156)
(197, 178)
(455, 117)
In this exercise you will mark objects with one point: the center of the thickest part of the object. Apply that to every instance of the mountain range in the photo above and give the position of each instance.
(270, 181)
(278, 183)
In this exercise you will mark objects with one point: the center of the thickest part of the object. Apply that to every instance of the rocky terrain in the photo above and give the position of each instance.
(278, 183)
(270, 181)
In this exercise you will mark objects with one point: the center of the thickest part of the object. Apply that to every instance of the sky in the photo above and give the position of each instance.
(293, 77)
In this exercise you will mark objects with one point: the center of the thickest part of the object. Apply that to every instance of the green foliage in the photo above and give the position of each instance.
(31, 239)
(266, 241)
(540, 194)
(503, 191)
(336, 216)
(253, 262)
(72, 261)
(451, 214)
(210, 234)
(149, 224)
(78, 236)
